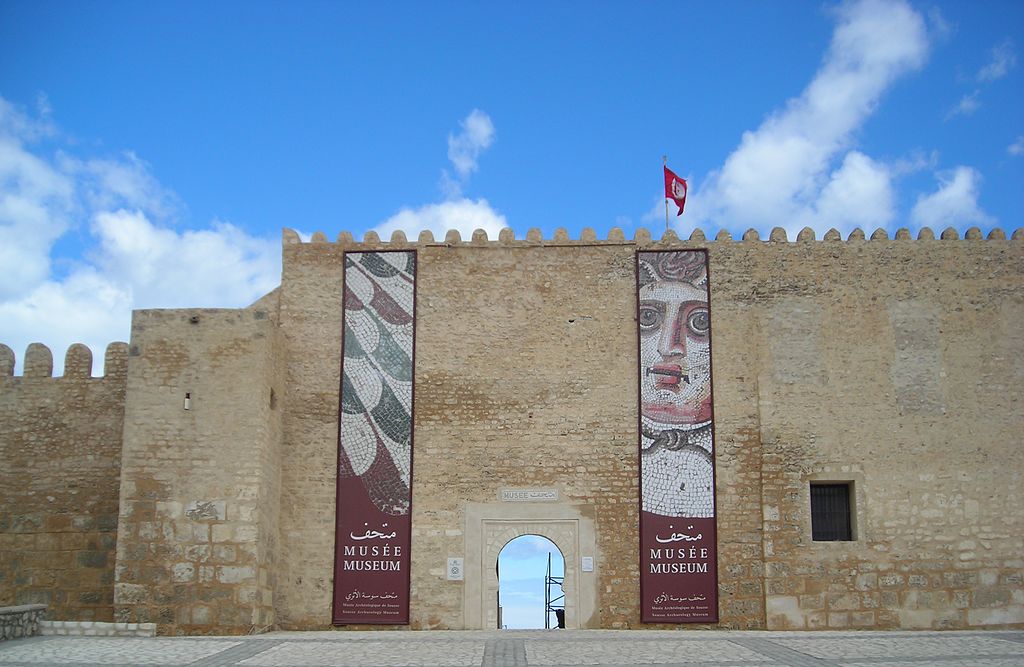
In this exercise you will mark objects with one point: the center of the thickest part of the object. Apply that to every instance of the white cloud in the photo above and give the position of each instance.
(86, 307)
(938, 25)
(16, 123)
(464, 148)
(792, 170)
(132, 257)
(465, 215)
(954, 203)
(456, 212)
(654, 217)
(529, 546)
(450, 187)
(1003, 58)
(137, 264)
(36, 202)
(164, 268)
(1017, 147)
(918, 160)
(858, 194)
(43, 106)
(967, 105)
(121, 182)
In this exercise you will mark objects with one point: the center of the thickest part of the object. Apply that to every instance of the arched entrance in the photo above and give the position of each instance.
(490, 526)
(530, 570)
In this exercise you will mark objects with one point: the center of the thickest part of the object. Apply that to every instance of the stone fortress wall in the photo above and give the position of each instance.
(892, 364)
(60, 470)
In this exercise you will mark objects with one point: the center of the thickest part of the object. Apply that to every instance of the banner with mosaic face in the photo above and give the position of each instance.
(371, 561)
(678, 554)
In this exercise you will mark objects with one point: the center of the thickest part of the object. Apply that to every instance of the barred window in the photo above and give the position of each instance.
(831, 512)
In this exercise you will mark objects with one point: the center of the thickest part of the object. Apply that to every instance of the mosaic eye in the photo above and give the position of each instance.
(698, 322)
(650, 316)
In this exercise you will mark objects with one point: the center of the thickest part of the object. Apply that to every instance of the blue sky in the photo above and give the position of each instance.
(522, 565)
(150, 153)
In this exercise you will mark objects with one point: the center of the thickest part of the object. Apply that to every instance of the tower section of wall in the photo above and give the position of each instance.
(197, 532)
(60, 457)
(894, 366)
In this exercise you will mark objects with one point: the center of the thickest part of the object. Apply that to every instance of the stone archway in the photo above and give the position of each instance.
(489, 527)
(524, 562)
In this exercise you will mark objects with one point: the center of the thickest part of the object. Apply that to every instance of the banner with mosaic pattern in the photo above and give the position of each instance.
(678, 546)
(374, 487)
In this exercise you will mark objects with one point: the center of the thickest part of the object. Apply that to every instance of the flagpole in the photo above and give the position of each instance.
(664, 163)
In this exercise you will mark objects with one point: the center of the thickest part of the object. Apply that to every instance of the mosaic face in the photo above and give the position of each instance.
(675, 358)
(376, 391)
(675, 383)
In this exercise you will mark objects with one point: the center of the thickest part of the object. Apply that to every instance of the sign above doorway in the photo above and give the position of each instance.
(528, 495)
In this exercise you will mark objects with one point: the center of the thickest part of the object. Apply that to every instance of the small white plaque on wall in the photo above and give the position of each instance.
(587, 564)
(528, 495)
(454, 569)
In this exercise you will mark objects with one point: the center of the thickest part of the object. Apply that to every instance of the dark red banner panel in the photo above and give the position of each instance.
(374, 496)
(678, 554)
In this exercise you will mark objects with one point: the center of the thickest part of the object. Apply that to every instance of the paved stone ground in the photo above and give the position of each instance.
(511, 648)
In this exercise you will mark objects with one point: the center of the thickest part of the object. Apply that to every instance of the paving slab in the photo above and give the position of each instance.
(512, 648)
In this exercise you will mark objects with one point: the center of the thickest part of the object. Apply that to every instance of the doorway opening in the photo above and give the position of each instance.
(491, 526)
(530, 571)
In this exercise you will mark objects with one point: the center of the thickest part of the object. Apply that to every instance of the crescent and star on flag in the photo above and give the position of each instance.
(675, 189)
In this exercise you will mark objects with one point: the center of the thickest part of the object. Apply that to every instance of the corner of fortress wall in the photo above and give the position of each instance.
(200, 491)
(892, 364)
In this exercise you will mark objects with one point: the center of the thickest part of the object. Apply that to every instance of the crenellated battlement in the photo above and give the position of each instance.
(200, 490)
(642, 237)
(77, 361)
(60, 470)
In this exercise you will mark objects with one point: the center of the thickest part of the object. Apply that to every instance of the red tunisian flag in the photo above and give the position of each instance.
(675, 189)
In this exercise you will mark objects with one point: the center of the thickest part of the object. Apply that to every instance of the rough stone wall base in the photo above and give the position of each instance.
(21, 621)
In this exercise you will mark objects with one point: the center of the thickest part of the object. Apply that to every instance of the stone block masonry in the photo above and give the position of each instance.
(95, 629)
(892, 366)
(197, 531)
(823, 351)
(60, 469)
(21, 621)
(904, 381)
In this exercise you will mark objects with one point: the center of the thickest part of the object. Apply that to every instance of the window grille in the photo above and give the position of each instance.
(830, 512)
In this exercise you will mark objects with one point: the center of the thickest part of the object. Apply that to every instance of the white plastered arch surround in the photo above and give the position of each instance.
(490, 526)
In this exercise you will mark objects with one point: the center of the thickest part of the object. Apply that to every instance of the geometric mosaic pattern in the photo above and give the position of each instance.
(377, 375)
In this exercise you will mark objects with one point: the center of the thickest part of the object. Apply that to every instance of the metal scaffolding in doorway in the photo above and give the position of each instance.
(556, 604)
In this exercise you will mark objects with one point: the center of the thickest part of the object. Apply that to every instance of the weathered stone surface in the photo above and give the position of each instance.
(891, 364)
(60, 458)
(202, 452)
(20, 621)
